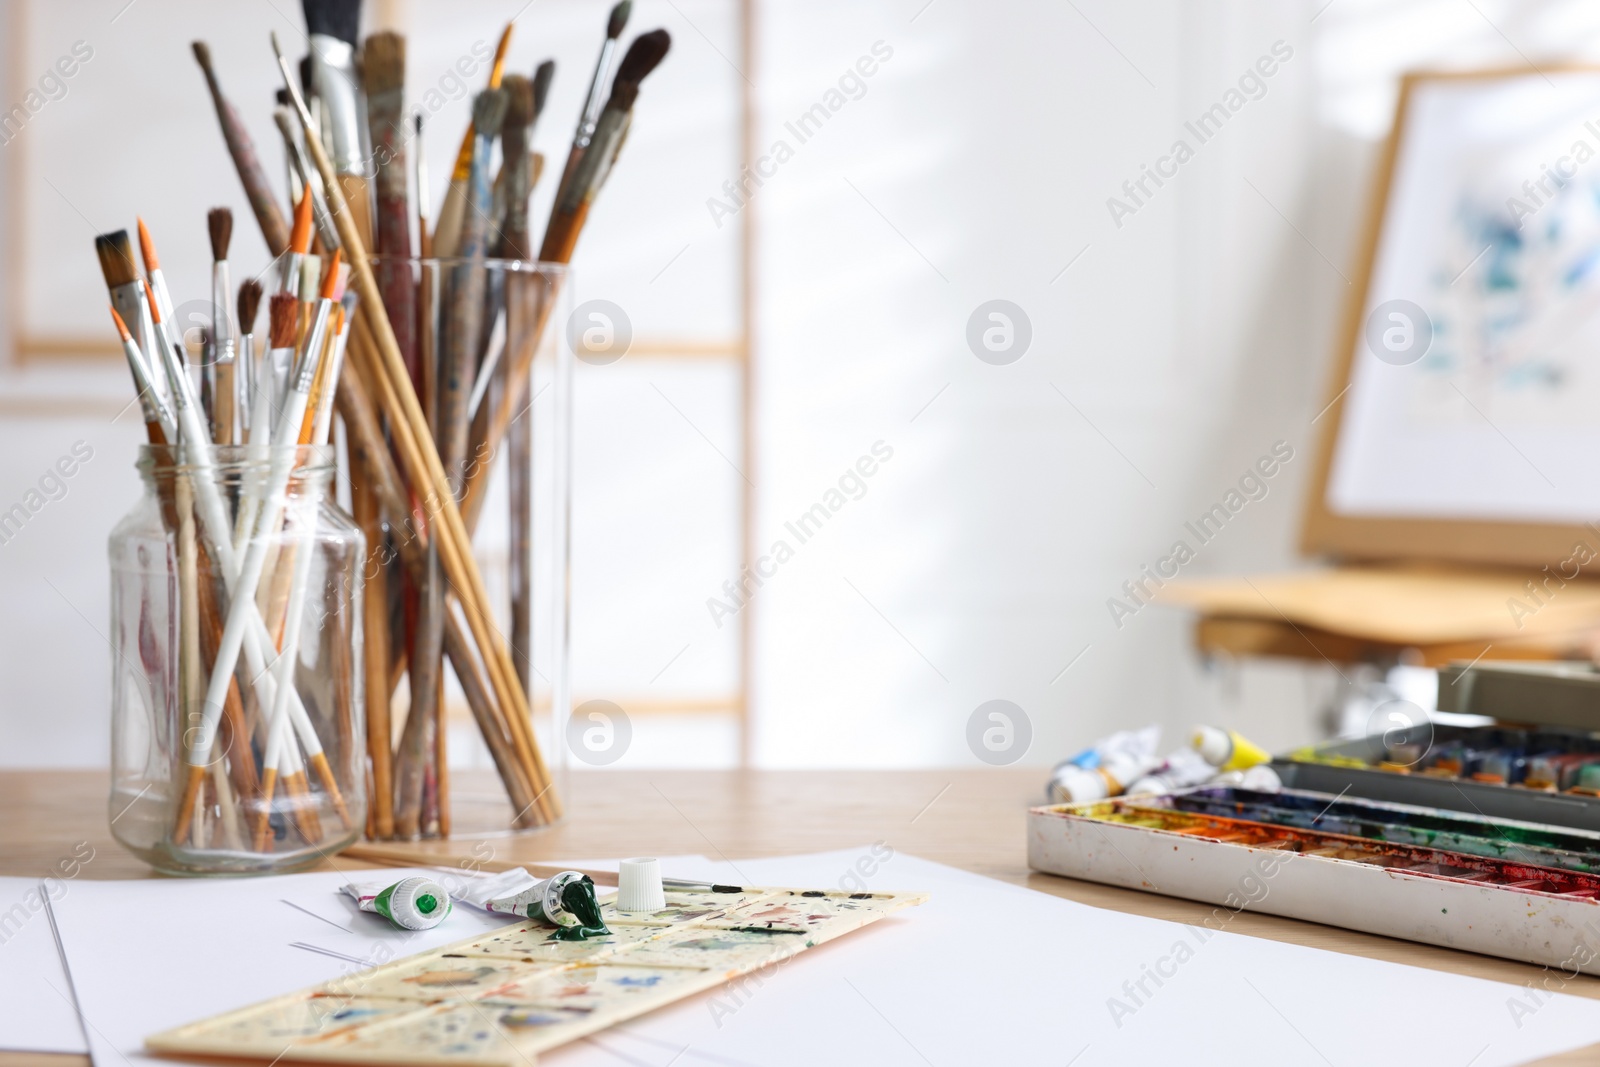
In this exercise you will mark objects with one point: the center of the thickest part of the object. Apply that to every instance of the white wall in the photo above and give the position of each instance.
(1175, 350)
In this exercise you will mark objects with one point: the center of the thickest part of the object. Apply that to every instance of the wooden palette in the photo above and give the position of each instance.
(502, 998)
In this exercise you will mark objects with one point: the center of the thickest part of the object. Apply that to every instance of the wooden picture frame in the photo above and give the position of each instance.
(1421, 537)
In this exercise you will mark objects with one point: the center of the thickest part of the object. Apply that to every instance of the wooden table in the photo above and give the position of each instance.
(971, 819)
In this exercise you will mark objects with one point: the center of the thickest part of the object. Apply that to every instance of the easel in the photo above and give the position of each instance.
(1418, 590)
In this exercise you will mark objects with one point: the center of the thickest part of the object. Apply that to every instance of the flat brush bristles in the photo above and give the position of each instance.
(249, 305)
(283, 315)
(116, 258)
(219, 225)
(336, 18)
(383, 63)
(519, 100)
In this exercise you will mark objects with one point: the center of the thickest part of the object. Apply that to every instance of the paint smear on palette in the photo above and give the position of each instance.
(1425, 862)
(458, 1031)
(326, 1019)
(446, 977)
(721, 949)
(1542, 846)
(801, 912)
(598, 986)
(532, 943)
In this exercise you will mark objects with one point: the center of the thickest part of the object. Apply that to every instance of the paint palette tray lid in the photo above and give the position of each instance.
(1533, 755)
(1548, 694)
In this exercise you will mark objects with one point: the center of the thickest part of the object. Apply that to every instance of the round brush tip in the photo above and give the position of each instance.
(618, 19)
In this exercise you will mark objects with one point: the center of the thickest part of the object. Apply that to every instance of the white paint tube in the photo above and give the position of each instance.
(411, 903)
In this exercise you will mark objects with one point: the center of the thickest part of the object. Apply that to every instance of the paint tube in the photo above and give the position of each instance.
(411, 903)
(1074, 785)
(1226, 750)
(1182, 769)
(1260, 778)
(566, 900)
(1140, 744)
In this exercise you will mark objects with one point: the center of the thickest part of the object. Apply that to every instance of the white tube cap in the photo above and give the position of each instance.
(639, 886)
(1214, 745)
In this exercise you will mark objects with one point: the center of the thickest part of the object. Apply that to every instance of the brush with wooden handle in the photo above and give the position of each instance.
(453, 212)
(221, 371)
(383, 67)
(567, 220)
(243, 150)
(592, 100)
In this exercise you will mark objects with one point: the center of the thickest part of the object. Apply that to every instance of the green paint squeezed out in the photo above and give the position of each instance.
(578, 898)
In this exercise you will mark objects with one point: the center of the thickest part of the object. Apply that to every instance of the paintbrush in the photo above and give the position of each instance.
(122, 276)
(463, 297)
(567, 218)
(590, 115)
(310, 285)
(313, 431)
(572, 204)
(160, 301)
(332, 27)
(249, 368)
(463, 307)
(299, 243)
(157, 420)
(453, 212)
(383, 66)
(302, 175)
(220, 369)
(516, 179)
(243, 151)
(283, 319)
(244, 630)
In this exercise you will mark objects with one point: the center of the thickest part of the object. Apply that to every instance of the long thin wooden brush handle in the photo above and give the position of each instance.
(243, 150)
(422, 462)
(460, 568)
(369, 451)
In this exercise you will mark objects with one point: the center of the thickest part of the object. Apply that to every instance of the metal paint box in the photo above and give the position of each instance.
(1499, 907)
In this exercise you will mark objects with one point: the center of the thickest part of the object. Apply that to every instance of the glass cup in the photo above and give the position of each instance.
(272, 777)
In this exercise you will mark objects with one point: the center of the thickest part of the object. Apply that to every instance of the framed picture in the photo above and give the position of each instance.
(1463, 416)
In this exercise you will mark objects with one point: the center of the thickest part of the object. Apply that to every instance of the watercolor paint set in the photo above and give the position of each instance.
(502, 998)
(1477, 837)
(1503, 888)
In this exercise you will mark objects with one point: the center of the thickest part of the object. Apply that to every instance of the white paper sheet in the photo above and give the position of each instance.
(147, 955)
(945, 984)
(39, 1015)
(986, 972)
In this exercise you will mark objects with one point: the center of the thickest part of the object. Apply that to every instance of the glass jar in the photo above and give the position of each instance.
(488, 344)
(267, 777)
